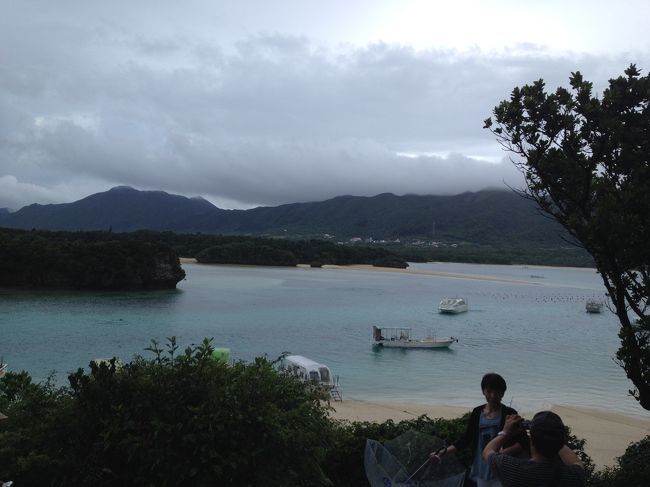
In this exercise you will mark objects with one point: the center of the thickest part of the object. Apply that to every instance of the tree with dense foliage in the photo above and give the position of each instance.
(586, 162)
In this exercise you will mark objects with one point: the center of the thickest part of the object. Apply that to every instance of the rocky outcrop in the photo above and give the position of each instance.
(167, 272)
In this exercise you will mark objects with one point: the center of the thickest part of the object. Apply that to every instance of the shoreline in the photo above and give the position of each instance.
(451, 275)
(371, 268)
(607, 433)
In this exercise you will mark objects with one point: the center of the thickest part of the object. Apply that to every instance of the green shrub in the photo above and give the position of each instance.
(173, 420)
(632, 469)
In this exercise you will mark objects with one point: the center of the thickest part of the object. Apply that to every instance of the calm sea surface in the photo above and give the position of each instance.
(527, 323)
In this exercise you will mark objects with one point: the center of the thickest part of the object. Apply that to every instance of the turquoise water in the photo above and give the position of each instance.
(534, 331)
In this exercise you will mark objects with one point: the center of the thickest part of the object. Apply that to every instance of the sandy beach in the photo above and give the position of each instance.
(452, 275)
(607, 434)
(371, 268)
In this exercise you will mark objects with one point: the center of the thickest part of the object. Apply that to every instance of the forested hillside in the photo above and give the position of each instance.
(485, 217)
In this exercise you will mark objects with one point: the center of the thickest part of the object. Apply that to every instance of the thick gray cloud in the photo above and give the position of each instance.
(92, 96)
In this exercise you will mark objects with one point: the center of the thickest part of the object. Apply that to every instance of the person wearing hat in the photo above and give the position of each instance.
(552, 462)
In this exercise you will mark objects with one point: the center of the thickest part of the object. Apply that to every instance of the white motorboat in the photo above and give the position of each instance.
(453, 306)
(594, 306)
(401, 338)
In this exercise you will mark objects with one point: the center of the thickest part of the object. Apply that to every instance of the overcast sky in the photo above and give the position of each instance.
(265, 102)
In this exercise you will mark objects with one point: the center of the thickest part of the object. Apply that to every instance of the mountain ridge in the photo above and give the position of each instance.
(483, 217)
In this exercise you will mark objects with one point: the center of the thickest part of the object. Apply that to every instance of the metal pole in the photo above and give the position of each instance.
(413, 475)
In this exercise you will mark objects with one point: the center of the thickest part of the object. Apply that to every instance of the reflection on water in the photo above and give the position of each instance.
(533, 330)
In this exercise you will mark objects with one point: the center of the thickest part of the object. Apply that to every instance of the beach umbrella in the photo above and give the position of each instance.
(404, 461)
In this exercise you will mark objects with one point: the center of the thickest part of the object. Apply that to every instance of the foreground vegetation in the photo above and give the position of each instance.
(181, 418)
(86, 260)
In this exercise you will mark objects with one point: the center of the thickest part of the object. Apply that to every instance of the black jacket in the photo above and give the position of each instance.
(470, 437)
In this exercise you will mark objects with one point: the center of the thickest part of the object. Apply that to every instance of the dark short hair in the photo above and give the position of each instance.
(493, 381)
(547, 433)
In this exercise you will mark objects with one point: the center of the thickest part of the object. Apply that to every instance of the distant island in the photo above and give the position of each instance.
(229, 249)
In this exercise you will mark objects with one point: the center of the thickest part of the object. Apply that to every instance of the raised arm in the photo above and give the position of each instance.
(569, 457)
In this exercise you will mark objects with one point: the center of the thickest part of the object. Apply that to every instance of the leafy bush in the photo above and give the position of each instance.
(632, 470)
(173, 420)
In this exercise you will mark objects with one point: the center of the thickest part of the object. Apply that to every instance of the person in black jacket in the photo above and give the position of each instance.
(485, 422)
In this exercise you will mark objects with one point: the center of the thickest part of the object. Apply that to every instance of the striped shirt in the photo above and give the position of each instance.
(516, 472)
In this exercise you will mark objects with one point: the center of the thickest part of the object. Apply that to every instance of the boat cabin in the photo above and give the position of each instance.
(307, 370)
(391, 333)
(453, 305)
(312, 373)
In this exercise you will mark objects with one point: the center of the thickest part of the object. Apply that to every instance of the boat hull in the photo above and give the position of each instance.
(453, 311)
(594, 307)
(415, 343)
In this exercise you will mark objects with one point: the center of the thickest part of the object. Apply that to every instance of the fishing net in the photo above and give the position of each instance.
(401, 462)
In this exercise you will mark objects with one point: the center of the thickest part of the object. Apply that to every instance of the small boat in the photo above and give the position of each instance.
(401, 338)
(453, 306)
(3, 368)
(594, 306)
(313, 373)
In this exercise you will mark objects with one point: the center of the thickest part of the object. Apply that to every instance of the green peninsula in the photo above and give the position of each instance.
(102, 261)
